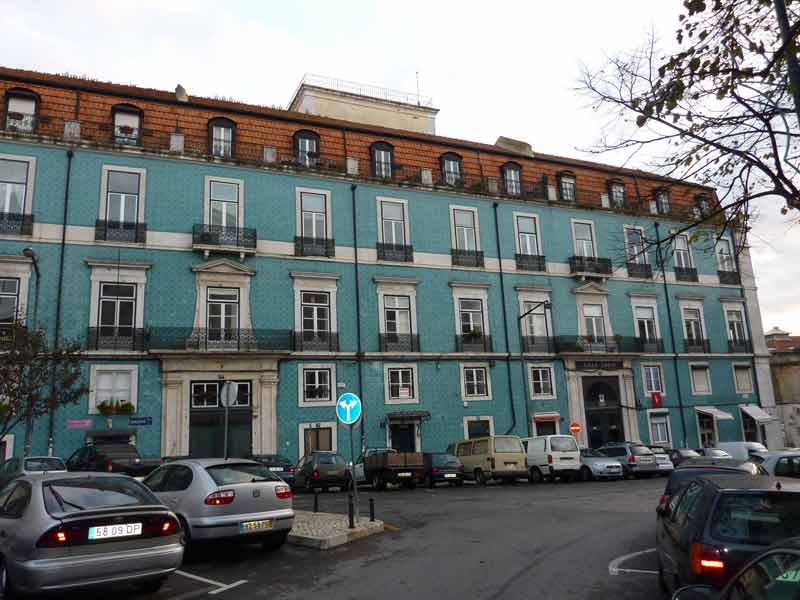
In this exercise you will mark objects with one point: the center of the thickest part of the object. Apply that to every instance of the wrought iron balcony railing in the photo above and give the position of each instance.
(20, 122)
(308, 246)
(466, 258)
(203, 339)
(116, 338)
(324, 341)
(538, 343)
(531, 262)
(729, 277)
(395, 252)
(129, 136)
(473, 342)
(399, 342)
(590, 264)
(114, 231)
(639, 270)
(16, 224)
(696, 346)
(594, 343)
(649, 345)
(685, 274)
(740, 346)
(217, 235)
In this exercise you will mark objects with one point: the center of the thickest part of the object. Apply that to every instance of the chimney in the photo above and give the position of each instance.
(180, 93)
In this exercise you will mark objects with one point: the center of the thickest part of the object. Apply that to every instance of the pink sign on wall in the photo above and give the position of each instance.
(79, 423)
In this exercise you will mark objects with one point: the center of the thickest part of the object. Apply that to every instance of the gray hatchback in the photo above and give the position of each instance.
(235, 498)
(60, 531)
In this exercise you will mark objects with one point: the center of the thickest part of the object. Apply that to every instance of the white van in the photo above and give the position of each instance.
(741, 450)
(551, 456)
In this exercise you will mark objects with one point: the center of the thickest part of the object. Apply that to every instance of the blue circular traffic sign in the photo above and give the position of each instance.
(348, 408)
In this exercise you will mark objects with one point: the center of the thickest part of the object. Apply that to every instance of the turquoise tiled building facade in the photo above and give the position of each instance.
(452, 310)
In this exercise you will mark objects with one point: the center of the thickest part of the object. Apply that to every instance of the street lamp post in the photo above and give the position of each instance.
(546, 304)
(29, 253)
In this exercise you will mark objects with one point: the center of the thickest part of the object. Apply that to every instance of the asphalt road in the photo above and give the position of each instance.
(502, 541)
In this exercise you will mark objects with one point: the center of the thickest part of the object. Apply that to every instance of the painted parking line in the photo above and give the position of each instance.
(615, 569)
(220, 587)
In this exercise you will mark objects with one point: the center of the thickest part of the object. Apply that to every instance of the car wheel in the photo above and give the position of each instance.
(274, 542)
(586, 474)
(536, 475)
(429, 482)
(459, 483)
(187, 534)
(377, 483)
(480, 478)
(6, 589)
(152, 586)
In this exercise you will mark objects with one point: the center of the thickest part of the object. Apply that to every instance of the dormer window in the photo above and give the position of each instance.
(21, 108)
(382, 155)
(616, 193)
(221, 137)
(512, 178)
(566, 186)
(702, 206)
(660, 204)
(127, 124)
(306, 148)
(451, 169)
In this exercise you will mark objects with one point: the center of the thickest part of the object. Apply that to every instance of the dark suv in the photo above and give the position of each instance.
(715, 524)
(637, 460)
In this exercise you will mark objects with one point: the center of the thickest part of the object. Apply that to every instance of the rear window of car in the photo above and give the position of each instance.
(66, 496)
(45, 464)
(761, 519)
(563, 444)
(641, 450)
(118, 450)
(445, 460)
(329, 459)
(228, 474)
(658, 450)
(507, 444)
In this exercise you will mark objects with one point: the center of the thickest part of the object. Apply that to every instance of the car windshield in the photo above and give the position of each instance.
(641, 450)
(761, 519)
(227, 474)
(563, 444)
(77, 494)
(44, 464)
(507, 444)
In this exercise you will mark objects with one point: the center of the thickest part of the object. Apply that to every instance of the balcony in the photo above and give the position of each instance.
(16, 224)
(308, 246)
(649, 345)
(210, 340)
(589, 265)
(125, 135)
(594, 344)
(729, 277)
(216, 238)
(740, 346)
(20, 122)
(395, 252)
(115, 338)
(640, 271)
(696, 346)
(114, 231)
(466, 258)
(685, 274)
(538, 343)
(323, 341)
(13, 336)
(473, 342)
(399, 342)
(531, 262)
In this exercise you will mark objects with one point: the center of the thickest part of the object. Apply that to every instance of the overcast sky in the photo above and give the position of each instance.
(497, 68)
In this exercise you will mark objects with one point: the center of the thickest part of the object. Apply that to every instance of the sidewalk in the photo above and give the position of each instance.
(324, 531)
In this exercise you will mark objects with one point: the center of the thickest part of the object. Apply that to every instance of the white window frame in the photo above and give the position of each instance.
(644, 259)
(543, 366)
(301, 395)
(130, 273)
(696, 304)
(517, 247)
(725, 240)
(475, 365)
(660, 412)
(473, 418)
(474, 211)
(574, 222)
(688, 250)
(738, 307)
(18, 267)
(707, 367)
(298, 208)
(697, 425)
(593, 294)
(27, 207)
(113, 367)
(527, 295)
(142, 173)
(314, 282)
(396, 286)
(741, 365)
(387, 399)
(535, 423)
(467, 291)
(222, 273)
(302, 427)
(207, 198)
(379, 200)
(645, 301)
(644, 367)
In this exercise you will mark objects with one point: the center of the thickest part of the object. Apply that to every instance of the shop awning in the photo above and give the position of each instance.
(718, 414)
(410, 415)
(758, 413)
(546, 417)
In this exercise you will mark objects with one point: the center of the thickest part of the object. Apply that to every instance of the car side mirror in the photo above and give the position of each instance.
(696, 592)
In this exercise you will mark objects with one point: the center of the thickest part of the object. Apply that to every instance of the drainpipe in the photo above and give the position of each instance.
(505, 326)
(359, 349)
(59, 289)
(660, 260)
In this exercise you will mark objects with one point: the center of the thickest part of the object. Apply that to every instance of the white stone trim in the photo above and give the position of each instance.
(473, 418)
(648, 301)
(406, 225)
(740, 308)
(467, 365)
(110, 272)
(301, 398)
(9, 441)
(659, 411)
(207, 198)
(302, 427)
(535, 217)
(688, 247)
(470, 293)
(18, 267)
(226, 274)
(314, 282)
(697, 426)
(104, 171)
(640, 229)
(537, 365)
(298, 210)
(534, 424)
(743, 393)
(27, 208)
(686, 302)
(417, 434)
(707, 367)
(587, 296)
(572, 223)
(474, 211)
(106, 367)
(396, 288)
(414, 381)
(644, 379)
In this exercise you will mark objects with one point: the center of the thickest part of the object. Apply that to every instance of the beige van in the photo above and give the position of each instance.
(497, 457)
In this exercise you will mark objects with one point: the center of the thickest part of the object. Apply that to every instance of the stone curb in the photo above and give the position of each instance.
(338, 537)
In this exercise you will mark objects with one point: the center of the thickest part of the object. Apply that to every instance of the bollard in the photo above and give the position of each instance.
(350, 511)
(372, 510)
(316, 501)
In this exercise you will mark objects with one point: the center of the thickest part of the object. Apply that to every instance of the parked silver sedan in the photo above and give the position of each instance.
(235, 498)
(60, 531)
(597, 466)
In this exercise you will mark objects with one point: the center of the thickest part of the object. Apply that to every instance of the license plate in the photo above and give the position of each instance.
(450, 475)
(115, 531)
(404, 474)
(276, 468)
(247, 526)
(510, 464)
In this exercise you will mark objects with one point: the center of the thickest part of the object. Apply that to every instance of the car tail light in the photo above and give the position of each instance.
(220, 497)
(284, 492)
(315, 474)
(631, 460)
(54, 538)
(109, 466)
(290, 469)
(663, 501)
(549, 459)
(435, 470)
(160, 525)
(706, 560)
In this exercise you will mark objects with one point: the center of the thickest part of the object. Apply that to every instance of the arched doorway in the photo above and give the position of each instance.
(601, 400)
